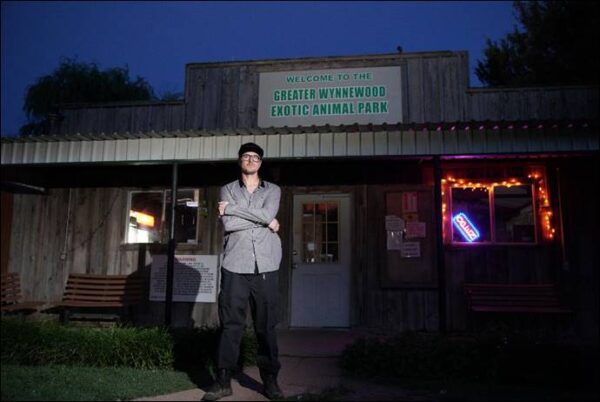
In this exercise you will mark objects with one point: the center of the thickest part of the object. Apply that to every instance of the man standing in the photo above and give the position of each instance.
(249, 272)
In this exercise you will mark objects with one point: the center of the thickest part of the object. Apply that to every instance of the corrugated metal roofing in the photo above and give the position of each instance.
(466, 138)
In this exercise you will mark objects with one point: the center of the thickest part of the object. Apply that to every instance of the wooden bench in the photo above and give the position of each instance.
(93, 293)
(12, 299)
(517, 298)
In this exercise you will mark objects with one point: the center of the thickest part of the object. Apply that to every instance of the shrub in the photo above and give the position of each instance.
(45, 342)
(501, 359)
(28, 342)
(412, 356)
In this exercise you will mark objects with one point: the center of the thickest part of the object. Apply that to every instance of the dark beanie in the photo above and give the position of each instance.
(250, 147)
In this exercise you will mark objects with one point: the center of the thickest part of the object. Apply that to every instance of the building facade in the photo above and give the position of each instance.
(400, 184)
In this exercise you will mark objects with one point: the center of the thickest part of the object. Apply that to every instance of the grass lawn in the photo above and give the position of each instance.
(53, 383)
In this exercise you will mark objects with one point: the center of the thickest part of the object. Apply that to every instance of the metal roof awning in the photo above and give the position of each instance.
(447, 139)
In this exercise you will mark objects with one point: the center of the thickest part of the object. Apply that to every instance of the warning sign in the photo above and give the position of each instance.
(409, 202)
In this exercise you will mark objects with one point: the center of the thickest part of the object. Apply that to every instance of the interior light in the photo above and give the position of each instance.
(142, 218)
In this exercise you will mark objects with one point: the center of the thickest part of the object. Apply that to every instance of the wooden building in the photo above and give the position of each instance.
(377, 156)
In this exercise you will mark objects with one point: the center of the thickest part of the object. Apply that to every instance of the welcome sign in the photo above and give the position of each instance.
(340, 96)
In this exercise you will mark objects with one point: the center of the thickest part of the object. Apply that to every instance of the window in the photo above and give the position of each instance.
(510, 207)
(482, 209)
(145, 217)
(470, 213)
(320, 227)
(150, 218)
(514, 221)
(186, 215)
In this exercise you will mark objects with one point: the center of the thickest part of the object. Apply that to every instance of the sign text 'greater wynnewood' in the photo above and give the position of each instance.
(328, 94)
(330, 97)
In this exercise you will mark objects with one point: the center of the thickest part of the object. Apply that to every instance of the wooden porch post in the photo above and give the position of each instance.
(171, 250)
(439, 241)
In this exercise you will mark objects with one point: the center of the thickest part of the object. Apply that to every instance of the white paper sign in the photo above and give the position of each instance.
(410, 249)
(409, 202)
(394, 240)
(393, 222)
(194, 279)
(416, 229)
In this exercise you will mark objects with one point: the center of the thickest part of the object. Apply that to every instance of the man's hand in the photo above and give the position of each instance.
(222, 205)
(274, 225)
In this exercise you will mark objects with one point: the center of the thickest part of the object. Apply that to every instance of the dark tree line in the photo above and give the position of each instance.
(77, 82)
(557, 46)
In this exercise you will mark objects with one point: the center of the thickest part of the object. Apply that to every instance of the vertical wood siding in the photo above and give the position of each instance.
(121, 119)
(393, 309)
(92, 230)
(569, 103)
(435, 89)
(227, 96)
(500, 264)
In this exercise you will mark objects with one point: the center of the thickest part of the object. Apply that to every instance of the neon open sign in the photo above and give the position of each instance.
(465, 227)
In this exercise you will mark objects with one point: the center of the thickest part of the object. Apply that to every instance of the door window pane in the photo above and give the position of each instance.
(320, 212)
(308, 209)
(332, 252)
(320, 235)
(514, 215)
(332, 212)
(332, 232)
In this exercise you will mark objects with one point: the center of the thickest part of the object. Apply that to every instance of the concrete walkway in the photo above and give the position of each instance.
(308, 365)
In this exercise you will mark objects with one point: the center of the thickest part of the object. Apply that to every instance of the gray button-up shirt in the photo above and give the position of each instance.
(248, 240)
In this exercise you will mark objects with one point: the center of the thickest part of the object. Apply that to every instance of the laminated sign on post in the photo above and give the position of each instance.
(195, 278)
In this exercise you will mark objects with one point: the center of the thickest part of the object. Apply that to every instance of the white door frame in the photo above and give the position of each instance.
(337, 278)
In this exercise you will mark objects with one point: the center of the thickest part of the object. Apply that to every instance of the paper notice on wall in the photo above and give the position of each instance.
(410, 249)
(416, 229)
(394, 223)
(394, 239)
(194, 278)
(409, 202)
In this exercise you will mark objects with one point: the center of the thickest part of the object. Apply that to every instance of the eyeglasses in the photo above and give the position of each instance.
(253, 158)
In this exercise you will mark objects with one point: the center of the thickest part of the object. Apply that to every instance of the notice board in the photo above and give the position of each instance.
(408, 229)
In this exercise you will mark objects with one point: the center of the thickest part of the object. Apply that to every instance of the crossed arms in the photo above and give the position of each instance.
(236, 217)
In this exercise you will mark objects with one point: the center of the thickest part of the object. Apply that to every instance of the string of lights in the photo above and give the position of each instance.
(535, 177)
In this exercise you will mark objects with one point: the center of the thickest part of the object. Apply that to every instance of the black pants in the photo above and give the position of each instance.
(262, 290)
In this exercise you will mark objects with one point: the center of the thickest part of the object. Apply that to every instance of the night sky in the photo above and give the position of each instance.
(157, 39)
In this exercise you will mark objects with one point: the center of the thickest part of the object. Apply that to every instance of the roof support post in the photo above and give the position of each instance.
(439, 242)
(171, 249)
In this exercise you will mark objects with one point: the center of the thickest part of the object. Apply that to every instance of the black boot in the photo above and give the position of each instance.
(221, 388)
(272, 390)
